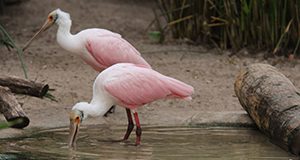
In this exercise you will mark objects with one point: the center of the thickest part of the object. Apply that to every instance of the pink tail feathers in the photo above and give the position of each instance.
(180, 89)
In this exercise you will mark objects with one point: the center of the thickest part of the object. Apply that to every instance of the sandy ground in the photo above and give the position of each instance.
(211, 73)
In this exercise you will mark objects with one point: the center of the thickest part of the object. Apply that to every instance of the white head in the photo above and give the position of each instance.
(76, 116)
(60, 17)
(57, 16)
(82, 107)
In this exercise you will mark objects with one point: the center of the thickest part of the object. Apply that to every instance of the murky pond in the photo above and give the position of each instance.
(95, 142)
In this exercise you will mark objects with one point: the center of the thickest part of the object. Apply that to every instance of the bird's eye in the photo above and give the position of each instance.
(51, 18)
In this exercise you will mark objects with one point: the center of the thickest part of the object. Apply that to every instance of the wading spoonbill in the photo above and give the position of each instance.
(129, 86)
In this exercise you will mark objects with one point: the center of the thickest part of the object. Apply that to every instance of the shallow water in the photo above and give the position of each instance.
(95, 142)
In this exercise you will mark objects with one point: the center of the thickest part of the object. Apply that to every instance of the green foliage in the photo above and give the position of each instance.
(6, 40)
(17, 121)
(264, 24)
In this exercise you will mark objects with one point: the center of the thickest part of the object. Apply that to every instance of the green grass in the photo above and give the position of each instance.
(234, 24)
(7, 41)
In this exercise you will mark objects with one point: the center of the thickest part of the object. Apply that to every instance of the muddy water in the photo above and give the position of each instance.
(95, 142)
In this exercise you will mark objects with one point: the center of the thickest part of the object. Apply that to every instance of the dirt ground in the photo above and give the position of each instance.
(211, 73)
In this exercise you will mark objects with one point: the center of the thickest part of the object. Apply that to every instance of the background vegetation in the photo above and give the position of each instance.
(261, 24)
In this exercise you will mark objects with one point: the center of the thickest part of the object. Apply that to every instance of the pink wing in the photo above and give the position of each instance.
(109, 50)
(141, 85)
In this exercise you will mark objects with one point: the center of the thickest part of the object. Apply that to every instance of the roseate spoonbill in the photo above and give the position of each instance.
(129, 86)
(100, 48)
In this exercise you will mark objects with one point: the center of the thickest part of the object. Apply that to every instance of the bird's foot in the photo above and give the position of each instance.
(138, 142)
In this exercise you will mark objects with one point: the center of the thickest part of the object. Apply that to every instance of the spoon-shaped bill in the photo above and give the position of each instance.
(45, 26)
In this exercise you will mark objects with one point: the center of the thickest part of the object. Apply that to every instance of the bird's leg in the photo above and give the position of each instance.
(130, 124)
(111, 110)
(138, 129)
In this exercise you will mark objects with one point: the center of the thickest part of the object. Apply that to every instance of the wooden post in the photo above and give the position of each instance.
(24, 86)
(11, 109)
(273, 102)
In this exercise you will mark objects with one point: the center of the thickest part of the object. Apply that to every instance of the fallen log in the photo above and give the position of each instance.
(273, 102)
(11, 109)
(24, 86)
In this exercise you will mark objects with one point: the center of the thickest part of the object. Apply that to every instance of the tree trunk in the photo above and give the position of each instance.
(23, 86)
(273, 102)
(11, 109)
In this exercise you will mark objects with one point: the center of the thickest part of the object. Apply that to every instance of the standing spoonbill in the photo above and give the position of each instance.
(100, 48)
(129, 86)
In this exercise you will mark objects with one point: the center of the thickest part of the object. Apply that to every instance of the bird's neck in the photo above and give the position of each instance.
(64, 26)
(93, 109)
(98, 108)
(101, 101)
(64, 37)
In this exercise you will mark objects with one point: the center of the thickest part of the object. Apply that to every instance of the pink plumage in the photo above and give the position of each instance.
(130, 86)
(127, 78)
(108, 50)
(99, 48)
(134, 86)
